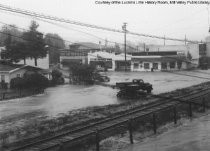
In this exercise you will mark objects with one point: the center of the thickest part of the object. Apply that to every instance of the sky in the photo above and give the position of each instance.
(171, 20)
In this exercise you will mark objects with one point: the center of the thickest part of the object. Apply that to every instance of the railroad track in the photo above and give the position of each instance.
(81, 132)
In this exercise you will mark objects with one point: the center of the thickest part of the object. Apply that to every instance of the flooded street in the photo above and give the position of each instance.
(191, 136)
(62, 99)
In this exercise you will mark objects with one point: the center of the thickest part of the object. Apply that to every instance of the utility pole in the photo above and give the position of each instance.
(164, 40)
(125, 30)
(185, 40)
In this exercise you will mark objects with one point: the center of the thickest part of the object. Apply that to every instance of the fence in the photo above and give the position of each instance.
(19, 93)
(155, 118)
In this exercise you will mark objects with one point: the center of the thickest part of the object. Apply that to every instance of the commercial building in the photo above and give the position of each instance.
(159, 61)
(154, 58)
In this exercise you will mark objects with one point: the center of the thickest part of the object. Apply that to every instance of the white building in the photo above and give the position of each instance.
(112, 61)
(192, 48)
(41, 62)
(140, 61)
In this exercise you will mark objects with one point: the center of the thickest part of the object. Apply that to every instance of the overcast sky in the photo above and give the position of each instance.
(170, 20)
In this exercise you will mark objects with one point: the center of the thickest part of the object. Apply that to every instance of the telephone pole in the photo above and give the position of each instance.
(164, 40)
(125, 30)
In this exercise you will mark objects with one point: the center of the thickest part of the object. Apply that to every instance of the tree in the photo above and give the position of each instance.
(18, 83)
(55, 42)
(35, 42)
(35, 80)
(15, 50)
(82, 73)
(57, 77)
(12, 31)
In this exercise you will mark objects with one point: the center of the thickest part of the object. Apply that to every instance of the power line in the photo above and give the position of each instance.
(23, 29)
(34, 14)
(114, 42)
(179, 59)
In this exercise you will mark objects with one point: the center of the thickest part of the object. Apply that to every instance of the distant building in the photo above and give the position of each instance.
(140, 61)
(153, 58)
(196, 50)
(10, 71)
(78, 52)
(158, 61)
(110, 61)
(41, 62)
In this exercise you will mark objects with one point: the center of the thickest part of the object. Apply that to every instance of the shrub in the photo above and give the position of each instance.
(82, 72)
(18, 83)
(34, 80)
(57, 77)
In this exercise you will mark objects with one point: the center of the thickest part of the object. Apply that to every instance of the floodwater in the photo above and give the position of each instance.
(192, 136)
(61, 99)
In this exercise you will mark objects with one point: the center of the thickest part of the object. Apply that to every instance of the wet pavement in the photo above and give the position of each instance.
(191, 136)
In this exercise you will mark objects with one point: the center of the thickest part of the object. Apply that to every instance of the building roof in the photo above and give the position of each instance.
(14, 67)
(9, 67)
(154, 53)
(85, 46)
(107, 55)
(159, 58)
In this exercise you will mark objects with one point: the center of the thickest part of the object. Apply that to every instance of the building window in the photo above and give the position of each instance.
(2, 78)
(172, 65)
(163, 65)
(155, 65)
(135, 65)
(18, 75)
(146, 65)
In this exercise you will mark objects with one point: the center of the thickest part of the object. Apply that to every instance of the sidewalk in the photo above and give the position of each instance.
(192, 136)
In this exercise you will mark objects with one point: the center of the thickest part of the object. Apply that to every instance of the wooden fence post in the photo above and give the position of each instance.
(97, 141)
(175, 114)
(20, 93)
(190, 109)
(154, 123)
(130, 130)
(204, 105)
(61, 147)
(3, 96)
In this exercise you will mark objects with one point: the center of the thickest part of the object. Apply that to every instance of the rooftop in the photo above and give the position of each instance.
(85, 46)
(9, 67)
(6, 67)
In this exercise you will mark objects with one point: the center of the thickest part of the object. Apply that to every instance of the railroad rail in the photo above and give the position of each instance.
(73, 136)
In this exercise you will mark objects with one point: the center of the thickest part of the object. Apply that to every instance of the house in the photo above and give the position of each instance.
(10, 71)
